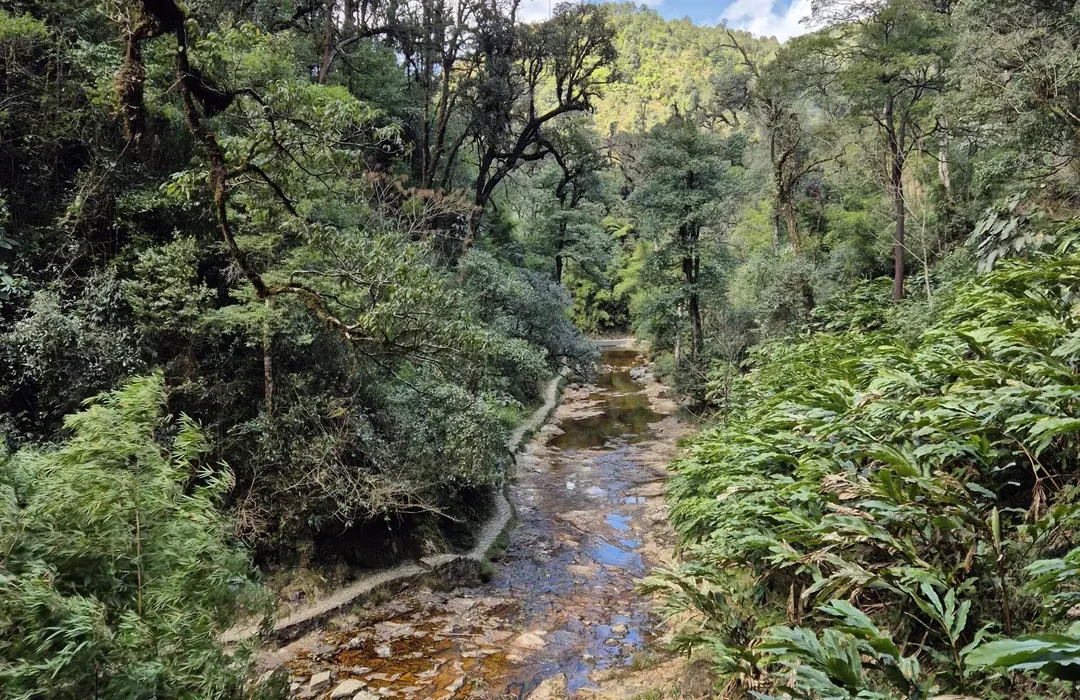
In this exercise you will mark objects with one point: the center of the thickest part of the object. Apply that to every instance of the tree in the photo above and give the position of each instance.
(564, 200)
(775, 93)
(570, 55)
(889, 59)
(684, 182)
(1018, 82)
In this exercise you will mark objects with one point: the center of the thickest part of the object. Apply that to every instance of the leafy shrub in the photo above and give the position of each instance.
(118, 574)
(529, 305)
(914, 482)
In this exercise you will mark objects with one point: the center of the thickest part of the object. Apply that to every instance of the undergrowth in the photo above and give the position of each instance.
(883, 518)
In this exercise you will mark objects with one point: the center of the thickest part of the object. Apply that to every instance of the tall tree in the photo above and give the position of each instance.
(1018, 81)
(531, 76)
(773, 89)
(889, 57)
(572, 226)
(684, 180)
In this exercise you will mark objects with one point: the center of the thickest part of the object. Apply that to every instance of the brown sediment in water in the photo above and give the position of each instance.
(591, 514)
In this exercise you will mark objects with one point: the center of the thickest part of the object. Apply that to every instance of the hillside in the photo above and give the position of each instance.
(278, 280)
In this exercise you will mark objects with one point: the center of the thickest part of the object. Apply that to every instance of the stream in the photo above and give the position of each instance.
(560, 604)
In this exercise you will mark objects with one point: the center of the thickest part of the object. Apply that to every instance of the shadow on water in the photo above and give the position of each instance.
(620, 410)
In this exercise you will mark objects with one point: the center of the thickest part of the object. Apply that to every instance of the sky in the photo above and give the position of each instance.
(779, 18)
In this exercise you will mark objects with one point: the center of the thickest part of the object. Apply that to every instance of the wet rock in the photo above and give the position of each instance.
(393, 630)
(461, 571)
(347, 689)
(365, 695)
(529, 640)
(456, 685)
(619, 630)
(384, 677)
(554, 688)
(431, 672)
(559, 638)
(612, 642)
(583, 520)
(460, 606)
(499, 635)
(319, 681)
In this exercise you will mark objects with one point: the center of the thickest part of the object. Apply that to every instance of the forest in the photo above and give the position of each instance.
(278, 278)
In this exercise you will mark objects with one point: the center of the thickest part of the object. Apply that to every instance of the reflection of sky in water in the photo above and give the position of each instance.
(604, 561)
(623, 411)
(603, 552)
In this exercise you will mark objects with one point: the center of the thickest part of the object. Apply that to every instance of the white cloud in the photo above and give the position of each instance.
(534, 10)
(767, 18)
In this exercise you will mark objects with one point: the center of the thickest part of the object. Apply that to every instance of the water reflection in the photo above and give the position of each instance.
(622, 410)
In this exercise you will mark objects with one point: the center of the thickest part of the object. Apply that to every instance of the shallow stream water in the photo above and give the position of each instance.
(589, 500)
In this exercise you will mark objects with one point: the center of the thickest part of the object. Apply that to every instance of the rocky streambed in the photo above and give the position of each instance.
(559, 609)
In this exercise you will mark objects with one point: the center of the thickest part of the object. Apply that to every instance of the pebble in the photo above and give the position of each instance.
(384, 651)
(619, 630)
(319, 681)
(347, 688)
(385, 677)
(529, 640)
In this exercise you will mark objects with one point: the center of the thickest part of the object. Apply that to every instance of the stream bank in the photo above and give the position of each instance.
(559, 606)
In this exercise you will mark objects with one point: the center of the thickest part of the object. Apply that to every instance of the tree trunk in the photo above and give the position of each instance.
(677, 351)
(946, 175)
(898, 237)
(558, 268)
(776, 185)
(328, 43)
(788, 211)
(695, 326)
(895, 138)
(691, 265)
(268, 361)
(349, 17)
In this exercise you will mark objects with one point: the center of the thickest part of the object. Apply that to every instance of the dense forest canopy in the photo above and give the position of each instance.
(277, 278)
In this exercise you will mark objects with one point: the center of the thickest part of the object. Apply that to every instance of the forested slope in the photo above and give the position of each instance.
(314, 260)
(867, 273)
